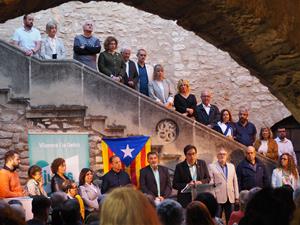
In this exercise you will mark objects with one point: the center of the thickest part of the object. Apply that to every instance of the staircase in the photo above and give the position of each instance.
(108, 107)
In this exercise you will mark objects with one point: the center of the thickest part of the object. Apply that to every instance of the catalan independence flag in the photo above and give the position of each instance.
(132, 152)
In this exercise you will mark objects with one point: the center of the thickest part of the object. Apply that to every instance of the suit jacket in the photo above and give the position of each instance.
(46, 51)
(90, 195)
(148, 182)
(202, 117)
(133, 74)
(156, 93)
(228, 188)
(182, 177)
(149, 69)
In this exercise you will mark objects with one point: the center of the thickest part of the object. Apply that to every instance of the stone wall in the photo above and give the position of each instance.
(184, 54)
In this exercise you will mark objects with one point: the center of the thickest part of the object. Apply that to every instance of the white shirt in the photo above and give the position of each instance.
(263, 148)
(156, 176)
(52, 42)
(286, 146)
(193, 171)
(127, 68)
(207, 108)
(223, 127)
(26, 38)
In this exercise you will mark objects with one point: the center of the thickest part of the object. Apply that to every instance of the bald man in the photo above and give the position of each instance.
(251, 172)
(205, 112)
(86, 46)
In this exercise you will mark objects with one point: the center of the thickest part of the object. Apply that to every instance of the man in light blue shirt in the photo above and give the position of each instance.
(27, 38)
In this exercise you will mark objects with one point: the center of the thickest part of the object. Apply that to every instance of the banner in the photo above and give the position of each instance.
(132, 152)
(44, 148)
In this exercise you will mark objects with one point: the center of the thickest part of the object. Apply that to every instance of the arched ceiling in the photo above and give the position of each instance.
(261, 35)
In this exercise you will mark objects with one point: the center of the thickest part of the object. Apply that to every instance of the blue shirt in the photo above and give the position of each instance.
(245, 134)
(143, 76)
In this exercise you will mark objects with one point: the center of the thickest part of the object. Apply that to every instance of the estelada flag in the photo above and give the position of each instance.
(132, 152)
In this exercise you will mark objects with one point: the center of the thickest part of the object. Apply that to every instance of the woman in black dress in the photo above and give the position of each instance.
(184, 102)
(58, 168)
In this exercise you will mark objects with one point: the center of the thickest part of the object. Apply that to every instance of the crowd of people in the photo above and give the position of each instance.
(223, 188)
(117, 200)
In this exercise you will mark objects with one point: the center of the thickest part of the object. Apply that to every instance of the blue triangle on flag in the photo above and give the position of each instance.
(126, 148)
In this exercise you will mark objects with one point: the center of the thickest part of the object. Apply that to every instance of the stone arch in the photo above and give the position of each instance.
(259, 35)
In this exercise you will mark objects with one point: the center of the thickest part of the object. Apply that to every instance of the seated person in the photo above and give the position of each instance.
(89, 192)
(184, 102)
(266, 145)
(160, 89)
(35, 183)
(10, 183)
(225, 125)
(58, 168)
(116, 177)
(52, 46)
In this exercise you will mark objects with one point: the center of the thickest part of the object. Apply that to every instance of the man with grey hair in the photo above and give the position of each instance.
(245, 130)
(131, 76)
(206, 113)
(27, 38)
(86, 46)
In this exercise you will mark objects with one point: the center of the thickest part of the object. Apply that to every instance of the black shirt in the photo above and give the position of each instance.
(113, 179)
(181, 103)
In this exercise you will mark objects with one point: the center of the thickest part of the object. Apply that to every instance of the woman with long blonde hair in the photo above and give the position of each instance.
(127, 206)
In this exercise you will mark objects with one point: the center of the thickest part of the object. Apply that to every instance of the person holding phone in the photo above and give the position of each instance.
(34, 185)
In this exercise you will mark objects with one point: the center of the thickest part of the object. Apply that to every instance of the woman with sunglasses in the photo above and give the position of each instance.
(286, 173)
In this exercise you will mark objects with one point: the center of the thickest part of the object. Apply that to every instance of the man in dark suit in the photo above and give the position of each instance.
(155, 179)
(205, 112)
(131, 76)
(190, 172)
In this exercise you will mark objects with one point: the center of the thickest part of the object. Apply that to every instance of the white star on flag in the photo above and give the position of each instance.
(127, 151)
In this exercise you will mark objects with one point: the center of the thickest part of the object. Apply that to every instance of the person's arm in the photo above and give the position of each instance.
(239, 176)
(235, 185)
(152, 92)
(143, 184)
(91, 203)
(216, 116)
(102, 65)
(206, 177)
(168, 190)
(4, 187)
(178, 184)
(37, 47)
(105, 184)
(266, 179)
(274, 178)
(171, 93)
(43, 51)
(254, 134)
(62, 50)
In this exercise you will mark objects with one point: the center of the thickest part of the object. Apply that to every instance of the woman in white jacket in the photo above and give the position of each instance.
(286, 173)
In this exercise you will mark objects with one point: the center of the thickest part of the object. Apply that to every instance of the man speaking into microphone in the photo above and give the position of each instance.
(190, 172)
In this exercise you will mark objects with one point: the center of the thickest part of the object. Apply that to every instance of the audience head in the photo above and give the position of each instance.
(88, 28)
(251, 154)
(70, 188)
(244, 197)
(110, 44)
(28, 21)
(58, 166)
(296, 197)
(40, 207)
(12, 159)
(57, 199)
(152, 158)
(35, 172)
(225, 116)
(222, 155)
(281, 133)
(51, 28)
(158, 72)
(209, 201)
(190, 152)
(265, 208)
(243, 115)
(17, 207)
(265, 133)
(8, 216)
(183, 86)
(206, 97)
(127, 206)
(116, 164)
(126, 52)
(86, 176)
(141, 56)
(286, 162)
(92, 218)
(170, 212)
(71, 211)
(197, 214)
(285, 196)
